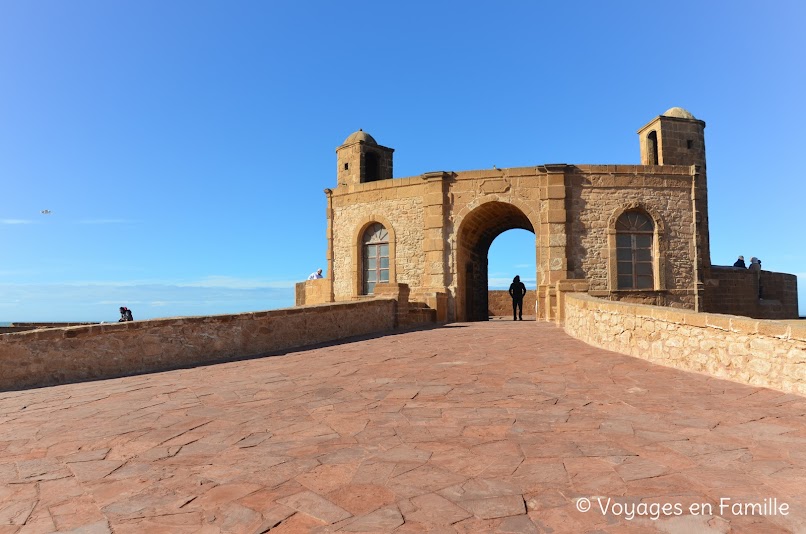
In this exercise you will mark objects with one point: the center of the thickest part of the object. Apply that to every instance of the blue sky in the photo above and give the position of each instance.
(183, 147)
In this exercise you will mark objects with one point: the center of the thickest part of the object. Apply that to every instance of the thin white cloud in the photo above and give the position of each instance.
(232, 282)
(105, 221)
(14, 273)
(15, 221)
(207, 282)
(108, 283)
(100, 301)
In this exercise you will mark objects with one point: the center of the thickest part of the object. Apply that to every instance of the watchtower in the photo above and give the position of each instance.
(678, 138)
(674, 138)
(361, 159)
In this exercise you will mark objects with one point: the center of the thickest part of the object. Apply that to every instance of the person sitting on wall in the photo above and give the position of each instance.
(316, 275)
(125, 315)
(740, 263)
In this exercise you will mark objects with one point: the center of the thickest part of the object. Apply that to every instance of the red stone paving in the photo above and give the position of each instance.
(485, 427)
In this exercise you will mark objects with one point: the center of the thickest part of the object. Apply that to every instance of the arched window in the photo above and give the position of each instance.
(372, 171)
(634, 235)
(652, 148)
(375, 257)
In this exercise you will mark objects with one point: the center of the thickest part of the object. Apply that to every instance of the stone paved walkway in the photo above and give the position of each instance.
(485, 427)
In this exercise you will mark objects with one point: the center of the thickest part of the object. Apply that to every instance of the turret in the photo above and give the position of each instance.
(361, 159)
(674, 138)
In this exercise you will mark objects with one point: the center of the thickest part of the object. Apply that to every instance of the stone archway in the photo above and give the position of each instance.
(477, 231)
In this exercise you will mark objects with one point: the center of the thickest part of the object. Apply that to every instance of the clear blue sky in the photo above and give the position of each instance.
(183, 147)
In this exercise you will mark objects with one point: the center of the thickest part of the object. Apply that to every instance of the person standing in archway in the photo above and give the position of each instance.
(517, 290)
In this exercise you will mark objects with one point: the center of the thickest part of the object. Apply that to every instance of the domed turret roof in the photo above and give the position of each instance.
(676, 112)
(359, 136)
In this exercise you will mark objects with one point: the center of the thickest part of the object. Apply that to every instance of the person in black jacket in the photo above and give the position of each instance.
(517, 290)
(740, 263)
(125, 315)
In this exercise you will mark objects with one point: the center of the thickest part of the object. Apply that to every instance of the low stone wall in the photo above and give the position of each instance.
(778, 287)
(312, 292)
(758, 294)
(23, 327)
(61, 355)
(499, 303)
(756, 352)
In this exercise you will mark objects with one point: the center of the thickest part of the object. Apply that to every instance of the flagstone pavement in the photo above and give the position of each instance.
(510, 427)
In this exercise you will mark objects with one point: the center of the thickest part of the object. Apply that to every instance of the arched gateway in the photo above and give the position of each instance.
(478, 228)
(622, 232)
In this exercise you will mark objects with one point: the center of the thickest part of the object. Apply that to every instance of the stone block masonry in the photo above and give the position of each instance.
(62, 355)
(499, 303)
(756, 352)
(312, 292)
(632, 233)
(757, 294)
(23, 327)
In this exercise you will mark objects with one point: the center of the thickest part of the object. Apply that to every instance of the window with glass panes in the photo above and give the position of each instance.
(634, 235)
(375, 257)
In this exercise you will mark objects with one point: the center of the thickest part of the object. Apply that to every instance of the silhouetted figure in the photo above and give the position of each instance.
(740, 263)
(517, 290)
(755, 265)
(760, 287)
(125, 315)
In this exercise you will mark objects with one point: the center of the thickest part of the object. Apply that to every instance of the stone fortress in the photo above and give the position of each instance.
(337, 425)
(622, 261)
(635, 233)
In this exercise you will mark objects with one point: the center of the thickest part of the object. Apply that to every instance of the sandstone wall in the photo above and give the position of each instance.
(23, 327)
(312, 292)
(499, 303)
(597, 191)
(736, 291)
(756, 352)
(403, 217)
(61, 355)
(443, 223)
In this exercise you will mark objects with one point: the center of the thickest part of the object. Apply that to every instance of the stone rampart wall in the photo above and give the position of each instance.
(756, 352)
(62, 355)
(731, 290)
(13, 329)
(499, 303)
(22, 327)
(758, 294)
(312, 292)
